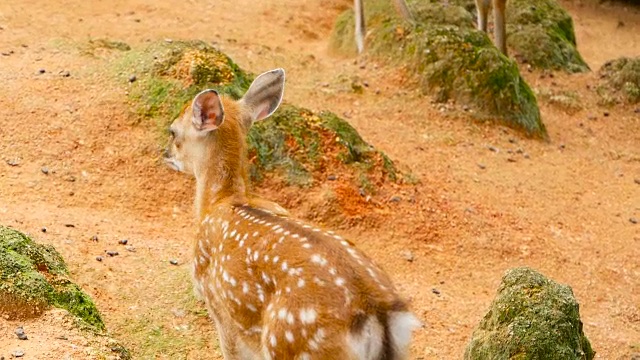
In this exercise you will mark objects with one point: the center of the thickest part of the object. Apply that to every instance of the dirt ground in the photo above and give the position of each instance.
(565, 210)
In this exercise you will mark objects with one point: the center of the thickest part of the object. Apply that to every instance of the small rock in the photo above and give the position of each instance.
(168, 41)
(44, 229)
(633, 220)
(637, 181)
(69, 225)
(18, 353)
(173, 262)
(493, 148)
(561, 147)
(512, 140)
(94, 238)
(606, 113)
(526, 156)
(395, 199)
(45, 170)
(132, 78)
(20, 333)
(112, 253)
(70, 178)
(13, 162)
(7, 53)
(435, 291)
(130, 248)
(99, 258)
(407, 255)
(123, 242)
(332, 177)
(42, 71)
(511, 159)
(482, 166)
(65, 73)
(362, 192)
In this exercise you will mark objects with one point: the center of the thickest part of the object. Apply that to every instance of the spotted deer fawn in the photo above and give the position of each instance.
(499, 31)
(275, 287)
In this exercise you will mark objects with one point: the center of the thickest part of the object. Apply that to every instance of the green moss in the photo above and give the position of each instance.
(620, 80)
(532, 317)
(294, 143)
(541, 33)
(453, 59)
(34, 277)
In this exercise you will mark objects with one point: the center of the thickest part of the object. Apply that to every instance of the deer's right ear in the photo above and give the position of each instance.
(264, 94)
(208, 112)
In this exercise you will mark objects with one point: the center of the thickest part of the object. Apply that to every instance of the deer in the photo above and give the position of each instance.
(482, 6)
(275, 286)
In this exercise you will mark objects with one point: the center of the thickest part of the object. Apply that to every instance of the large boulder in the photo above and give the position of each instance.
(295, 146)
(620, 81)
(532, 317)
(453, 59)
(34, 277)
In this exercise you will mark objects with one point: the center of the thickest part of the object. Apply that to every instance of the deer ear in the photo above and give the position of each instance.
(264, 94)
(208, 112)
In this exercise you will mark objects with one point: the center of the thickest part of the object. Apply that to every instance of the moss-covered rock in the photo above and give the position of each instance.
(454, 60)
(532, 317)
(34, 277)
(620, 81)
(296, 143)
(541, 34)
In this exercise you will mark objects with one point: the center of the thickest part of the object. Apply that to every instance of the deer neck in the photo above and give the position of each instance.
(222, 180)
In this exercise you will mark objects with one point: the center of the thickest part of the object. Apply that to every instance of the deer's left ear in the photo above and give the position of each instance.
(208, 113)
(264, 94)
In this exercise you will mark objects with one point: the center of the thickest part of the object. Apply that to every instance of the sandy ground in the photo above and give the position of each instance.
(565, 210)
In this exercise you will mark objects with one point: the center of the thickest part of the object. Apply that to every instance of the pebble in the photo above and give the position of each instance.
(511, 159)
(42, 71)
(435, 291)
(18, 353)
(606, 113)
(94, 238)
(492, 148)
(132, 78)
(45, 170)
(111, 253)
(395, 199)
(99, 258)
(332, 177)
(482, 166)
(13, 162)
(637, 181)
(633, 220)
(65, 73)
(130, 248)
(407, 255)
(561, 147)
(173, 262)
(20, 333)
(69, 225)
(123, 242)
(44, 229)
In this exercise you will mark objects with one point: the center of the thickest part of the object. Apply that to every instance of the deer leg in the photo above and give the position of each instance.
(227, 341)
(483, 11)
(358, 8)
(403, 9)
(499, 28)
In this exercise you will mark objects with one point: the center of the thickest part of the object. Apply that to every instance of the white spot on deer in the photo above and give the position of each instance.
(284, 266)
(225, 276)
(305, 356)
(339, 281)
(289, 335)
(282, 313)
(272, 340)
(280, 240)
(252, 308)
(266, 278)
(245, 287)
(308, 316)
(220, 247)
(255, 255)
(287, 289)
(290, 318)
(233, 281)
(332, 271)
(241, 243)
(318, 281)
(315, 258)
(275, 259)
(286, 233)
(256, 234)
(295, 236)
(313, 345)
(300, 282)
(266, 258)
(306, 246)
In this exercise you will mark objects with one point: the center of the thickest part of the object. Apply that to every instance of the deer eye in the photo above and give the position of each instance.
(172, 133)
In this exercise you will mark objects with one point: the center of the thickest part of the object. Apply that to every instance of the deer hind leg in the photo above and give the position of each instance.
(226, 339)
(500, 25)
(483, 12)
(366, 339)
(358, 8)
